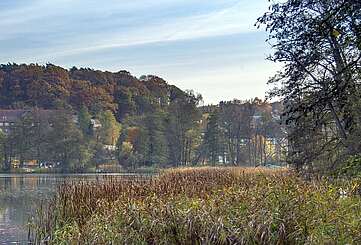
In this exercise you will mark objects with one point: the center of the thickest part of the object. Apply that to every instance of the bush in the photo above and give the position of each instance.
(351, 168)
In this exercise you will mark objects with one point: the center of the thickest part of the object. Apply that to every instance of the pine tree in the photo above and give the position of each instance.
(84, 119)
(157, 149)
(212, 138)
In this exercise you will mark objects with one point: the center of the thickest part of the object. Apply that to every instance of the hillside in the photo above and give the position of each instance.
(53, 87)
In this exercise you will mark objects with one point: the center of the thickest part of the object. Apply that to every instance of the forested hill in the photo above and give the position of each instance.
(123, 120)
(53, 87)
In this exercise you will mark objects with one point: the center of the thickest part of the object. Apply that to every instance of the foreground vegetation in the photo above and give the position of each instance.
(205, 206)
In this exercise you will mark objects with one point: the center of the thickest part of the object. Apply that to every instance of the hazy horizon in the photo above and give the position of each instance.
(211, 48)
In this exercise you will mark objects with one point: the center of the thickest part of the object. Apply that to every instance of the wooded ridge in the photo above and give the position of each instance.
(115, 118)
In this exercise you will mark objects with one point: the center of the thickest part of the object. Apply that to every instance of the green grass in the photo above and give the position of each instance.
(205, 206)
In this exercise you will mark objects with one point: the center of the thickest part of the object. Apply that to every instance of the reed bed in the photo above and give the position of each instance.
(204, 206)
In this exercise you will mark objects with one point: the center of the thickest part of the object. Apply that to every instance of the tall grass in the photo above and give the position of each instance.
(205, 206)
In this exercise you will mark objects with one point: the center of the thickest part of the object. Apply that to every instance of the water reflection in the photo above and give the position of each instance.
(21, 194)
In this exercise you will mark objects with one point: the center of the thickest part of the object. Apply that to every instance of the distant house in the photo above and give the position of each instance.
(8, 118)
(95, 123)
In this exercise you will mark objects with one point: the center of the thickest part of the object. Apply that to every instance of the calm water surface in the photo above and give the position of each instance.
(21, 194)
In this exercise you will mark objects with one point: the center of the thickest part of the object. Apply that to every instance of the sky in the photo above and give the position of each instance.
(211, 47)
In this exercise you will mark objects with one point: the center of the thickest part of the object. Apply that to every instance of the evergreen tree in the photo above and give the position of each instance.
(2, 149)
(84, 119)
(212, 138)
(65, 143)
(183, 116)
(21, 136)
(157, 149)
(110, 128)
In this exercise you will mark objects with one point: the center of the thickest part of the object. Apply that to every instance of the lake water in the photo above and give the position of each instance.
(20, 195)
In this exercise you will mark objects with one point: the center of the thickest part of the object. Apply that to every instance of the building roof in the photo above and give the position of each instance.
(11, 115)
(95, 123)
(15, 115)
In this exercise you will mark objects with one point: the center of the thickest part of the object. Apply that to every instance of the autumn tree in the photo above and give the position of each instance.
(133, 144)
(126, 155)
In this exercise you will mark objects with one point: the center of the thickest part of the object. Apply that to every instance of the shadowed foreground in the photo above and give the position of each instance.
(205, 206)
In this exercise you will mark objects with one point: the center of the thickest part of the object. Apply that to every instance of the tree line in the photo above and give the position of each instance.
(58, 139)
(245, 133)
(101, 117)
(234, 133)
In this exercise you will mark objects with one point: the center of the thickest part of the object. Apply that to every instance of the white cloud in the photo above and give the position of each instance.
(70, 37)
(180, 40)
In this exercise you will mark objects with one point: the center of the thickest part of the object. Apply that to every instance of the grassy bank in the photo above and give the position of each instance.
(205, 206)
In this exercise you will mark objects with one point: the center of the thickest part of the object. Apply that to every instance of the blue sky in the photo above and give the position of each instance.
(211, 47)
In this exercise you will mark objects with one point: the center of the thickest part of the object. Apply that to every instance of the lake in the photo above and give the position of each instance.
(20, 195)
